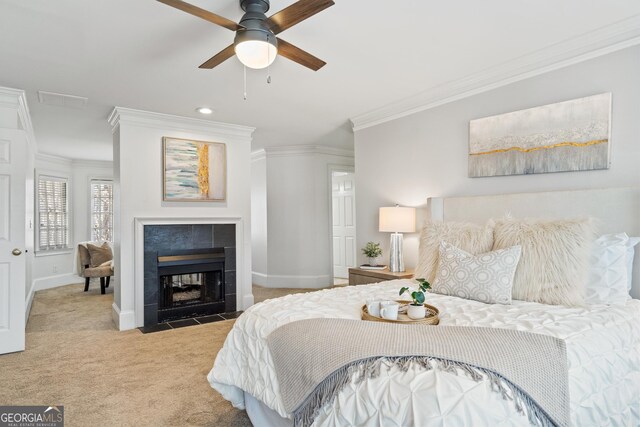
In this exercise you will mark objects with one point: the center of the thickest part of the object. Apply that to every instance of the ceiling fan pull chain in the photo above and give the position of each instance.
(245, 81)
(268, 62)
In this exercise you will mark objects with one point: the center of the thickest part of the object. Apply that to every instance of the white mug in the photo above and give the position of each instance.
(373, 307)
(389, 310)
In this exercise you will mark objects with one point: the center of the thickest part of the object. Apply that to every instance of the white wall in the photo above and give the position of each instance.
(58, 268)
(138, 192)
(407, 160)
(259, 250)
(298, 208)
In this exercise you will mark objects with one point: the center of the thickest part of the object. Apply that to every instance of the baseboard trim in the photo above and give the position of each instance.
(259, 279)
(124, 320)
(55, 281)
(247, 301)
(28, 302)
(295, 282)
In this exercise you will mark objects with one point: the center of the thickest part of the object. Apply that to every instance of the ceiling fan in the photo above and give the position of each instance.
(256, 44)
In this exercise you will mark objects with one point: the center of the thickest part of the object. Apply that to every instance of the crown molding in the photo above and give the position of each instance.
(71, 163)
(605, 40)
(149, 119)
(17, 99)
(52, 159)
(258, 155)
(86, 163)
(303, 150)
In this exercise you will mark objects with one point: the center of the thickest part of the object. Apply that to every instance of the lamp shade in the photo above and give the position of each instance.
(397, 220)
(256, 48)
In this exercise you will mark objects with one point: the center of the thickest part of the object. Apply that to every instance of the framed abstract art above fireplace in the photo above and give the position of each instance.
(193, 171)
(566, 136)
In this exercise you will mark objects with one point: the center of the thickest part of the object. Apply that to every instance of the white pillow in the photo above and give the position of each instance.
(630, 253)
(607, 280)
(553, 265)
(472, 238)
(485, 277)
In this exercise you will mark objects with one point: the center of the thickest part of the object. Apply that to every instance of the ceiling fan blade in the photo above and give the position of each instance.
(201, 13)
(219, 58)
(297, 12)
(298, 55)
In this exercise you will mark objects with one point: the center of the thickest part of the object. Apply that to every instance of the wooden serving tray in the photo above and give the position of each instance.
(430, 319)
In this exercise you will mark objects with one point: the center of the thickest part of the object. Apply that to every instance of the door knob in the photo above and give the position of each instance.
(16, 252)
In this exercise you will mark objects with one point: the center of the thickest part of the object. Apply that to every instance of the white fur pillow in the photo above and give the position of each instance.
(472, 238)
(554, 261)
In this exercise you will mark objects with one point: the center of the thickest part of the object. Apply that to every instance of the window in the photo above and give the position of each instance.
(53, 216)
(101, 211)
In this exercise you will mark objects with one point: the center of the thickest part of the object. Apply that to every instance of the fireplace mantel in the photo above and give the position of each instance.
(244, 296)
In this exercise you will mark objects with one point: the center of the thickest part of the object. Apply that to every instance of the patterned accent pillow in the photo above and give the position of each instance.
(487, 277)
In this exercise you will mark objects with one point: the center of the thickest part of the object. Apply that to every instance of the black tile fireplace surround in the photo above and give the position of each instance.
(189, 271)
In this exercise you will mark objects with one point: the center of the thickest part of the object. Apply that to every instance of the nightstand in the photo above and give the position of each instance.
(358, 276)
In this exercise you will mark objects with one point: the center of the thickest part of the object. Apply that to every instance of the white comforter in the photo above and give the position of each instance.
(603, 349)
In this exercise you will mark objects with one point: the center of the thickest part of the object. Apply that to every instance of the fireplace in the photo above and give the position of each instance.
(191, 283)
(189, 271)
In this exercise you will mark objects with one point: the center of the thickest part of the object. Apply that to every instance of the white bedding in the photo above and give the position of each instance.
(603, 350)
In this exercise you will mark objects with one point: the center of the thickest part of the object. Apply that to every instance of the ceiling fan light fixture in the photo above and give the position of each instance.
(256, 48)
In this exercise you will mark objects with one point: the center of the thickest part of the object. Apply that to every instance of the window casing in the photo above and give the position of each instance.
(53, 213)
(101, 221)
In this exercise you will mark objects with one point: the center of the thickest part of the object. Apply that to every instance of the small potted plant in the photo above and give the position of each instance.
(372, 251)
(416, 308)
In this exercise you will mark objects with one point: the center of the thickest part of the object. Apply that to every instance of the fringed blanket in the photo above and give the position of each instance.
(315, 358)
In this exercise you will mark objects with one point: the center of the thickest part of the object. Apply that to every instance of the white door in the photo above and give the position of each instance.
(344, 223)
(12, 239)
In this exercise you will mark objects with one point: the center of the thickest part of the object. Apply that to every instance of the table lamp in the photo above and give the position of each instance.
(397, 220)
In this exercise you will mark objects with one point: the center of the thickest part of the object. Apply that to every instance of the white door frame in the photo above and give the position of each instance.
(13, 162)
(331, 170)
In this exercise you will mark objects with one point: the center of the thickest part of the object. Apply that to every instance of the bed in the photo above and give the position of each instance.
(602, 341)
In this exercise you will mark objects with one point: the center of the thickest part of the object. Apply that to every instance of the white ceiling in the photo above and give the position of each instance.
(143, 54)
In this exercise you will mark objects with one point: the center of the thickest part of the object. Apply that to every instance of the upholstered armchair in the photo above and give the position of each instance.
(95, 261)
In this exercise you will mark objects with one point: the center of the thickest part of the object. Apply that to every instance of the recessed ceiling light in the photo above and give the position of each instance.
(204, 110)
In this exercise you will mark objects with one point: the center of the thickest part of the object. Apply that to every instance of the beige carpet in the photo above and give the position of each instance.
(103, 377)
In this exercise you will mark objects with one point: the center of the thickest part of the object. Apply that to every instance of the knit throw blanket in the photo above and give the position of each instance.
(315, 358)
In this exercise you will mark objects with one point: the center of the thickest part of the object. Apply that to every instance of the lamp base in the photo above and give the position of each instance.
(396, 260)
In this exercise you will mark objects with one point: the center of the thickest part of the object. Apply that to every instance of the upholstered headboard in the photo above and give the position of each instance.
(617, 210)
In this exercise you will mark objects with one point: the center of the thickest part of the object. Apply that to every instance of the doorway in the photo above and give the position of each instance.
(343, 224)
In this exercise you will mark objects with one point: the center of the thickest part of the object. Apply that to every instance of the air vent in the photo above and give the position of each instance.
(62, 100)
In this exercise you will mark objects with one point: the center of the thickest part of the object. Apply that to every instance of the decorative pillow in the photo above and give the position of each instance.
(553, 263)
(486, 277)
(99, 254)
(607, 281)
(630, 253)
(472, 238)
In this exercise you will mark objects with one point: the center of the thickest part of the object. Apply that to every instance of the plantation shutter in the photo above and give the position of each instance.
(101, 211)
(53, 217)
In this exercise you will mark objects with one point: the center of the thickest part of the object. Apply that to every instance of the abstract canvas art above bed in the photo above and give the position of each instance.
(566, 136)
(193, 170)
